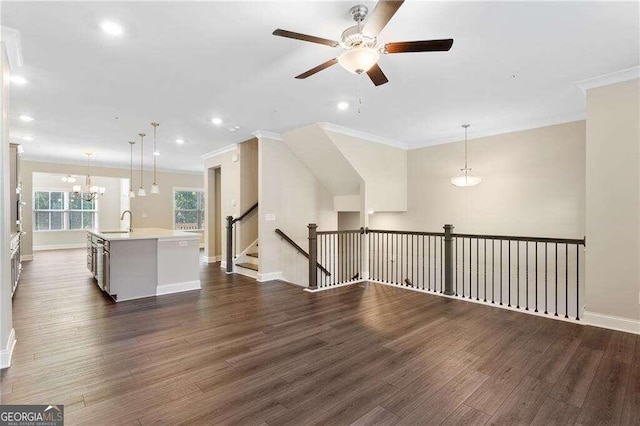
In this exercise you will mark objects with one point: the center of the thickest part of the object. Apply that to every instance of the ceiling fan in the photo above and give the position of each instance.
(361, 44)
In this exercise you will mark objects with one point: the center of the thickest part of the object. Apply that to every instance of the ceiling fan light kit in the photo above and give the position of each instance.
(360, 42)
(359, 59)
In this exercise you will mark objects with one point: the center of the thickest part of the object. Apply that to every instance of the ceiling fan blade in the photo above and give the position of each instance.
(319, 68)
(380, 17)
(305, 37)
(377, 76)
(419, 46)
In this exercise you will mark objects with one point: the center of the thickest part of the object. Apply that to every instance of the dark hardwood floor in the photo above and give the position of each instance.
(241, 352)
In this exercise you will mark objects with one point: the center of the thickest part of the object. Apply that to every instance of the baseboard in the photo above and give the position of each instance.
(177, 287)
(59, 247)
(612, 322)
(5, 354)
(270, 276)
(212, 259)
(26, 257)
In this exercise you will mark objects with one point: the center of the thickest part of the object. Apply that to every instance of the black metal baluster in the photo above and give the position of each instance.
(429, 262)
(441, 264)
(577, 282)
(485, 270)
(527, 274)
(566, 280)
(556, 301)
(470, 269)
(456, 259)
(501, 273)
(536, 277)
(435, 255)
(518, 275)
(493, 271)
(423, 260)
(323, 260)
(477, 269)
(509, 272)
(546, 276)
(463, 291)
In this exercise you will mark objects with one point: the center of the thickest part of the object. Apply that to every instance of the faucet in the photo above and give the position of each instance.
(130, 219)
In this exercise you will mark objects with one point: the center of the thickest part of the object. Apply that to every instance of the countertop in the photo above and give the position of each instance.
(144, 234)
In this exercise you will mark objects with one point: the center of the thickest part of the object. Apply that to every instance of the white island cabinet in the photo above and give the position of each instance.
(143, 263)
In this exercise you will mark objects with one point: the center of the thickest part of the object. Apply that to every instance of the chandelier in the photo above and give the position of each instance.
(464, 177)
(89, 192)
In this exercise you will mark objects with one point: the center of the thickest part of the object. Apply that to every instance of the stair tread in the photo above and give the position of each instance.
(248, 266)
(253, 255)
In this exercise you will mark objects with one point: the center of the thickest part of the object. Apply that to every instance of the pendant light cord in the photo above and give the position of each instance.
(142, 135)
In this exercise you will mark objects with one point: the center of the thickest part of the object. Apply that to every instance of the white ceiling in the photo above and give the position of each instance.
(181, 63)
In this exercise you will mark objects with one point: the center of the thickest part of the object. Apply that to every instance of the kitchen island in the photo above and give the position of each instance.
(144, 262)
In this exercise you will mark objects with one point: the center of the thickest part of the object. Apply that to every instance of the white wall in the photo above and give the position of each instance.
(109, 210)
(152, 211)
(613, 205)
(248, 192)
(383, 169)
(288, 190)
(534, 185)
(6, 323)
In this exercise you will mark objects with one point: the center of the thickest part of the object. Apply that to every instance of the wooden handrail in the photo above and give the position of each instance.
(243, 215)
(300, 250)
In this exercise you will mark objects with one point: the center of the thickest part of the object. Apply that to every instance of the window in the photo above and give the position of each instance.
(59, 211)
(188, 210)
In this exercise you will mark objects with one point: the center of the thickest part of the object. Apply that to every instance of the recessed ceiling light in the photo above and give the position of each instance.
(27, 138)
(343, 105)
(217, 121)
(233, 129)
(111, 28)
(236, 127)
(179, 141)
(19, 80)
(26, 118)
(156, 153)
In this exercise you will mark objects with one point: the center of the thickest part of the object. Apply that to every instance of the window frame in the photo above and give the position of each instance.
(174, 210)
(66, 210)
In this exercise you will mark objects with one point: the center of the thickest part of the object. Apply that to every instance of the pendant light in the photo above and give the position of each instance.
(131, 193)
(465, 178)
(155, 189)
(141, 191)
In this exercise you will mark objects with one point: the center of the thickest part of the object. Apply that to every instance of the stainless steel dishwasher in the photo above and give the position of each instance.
(106, 274)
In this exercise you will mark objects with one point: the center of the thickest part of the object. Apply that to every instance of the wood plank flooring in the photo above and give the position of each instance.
(245, 353)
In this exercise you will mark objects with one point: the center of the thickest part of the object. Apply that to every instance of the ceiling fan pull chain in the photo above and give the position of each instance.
(359, 93)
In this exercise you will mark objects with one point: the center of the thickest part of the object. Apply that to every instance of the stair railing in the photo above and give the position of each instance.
(232, 236)
(300, 250)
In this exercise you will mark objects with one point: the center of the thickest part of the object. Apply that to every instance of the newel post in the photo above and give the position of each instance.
(313, 256)
(448, 260)
(229, 244)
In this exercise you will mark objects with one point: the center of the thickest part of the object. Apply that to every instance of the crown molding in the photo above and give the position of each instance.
(361, 135)
(268, 135)
(495, 131)
(105, 165)
(11, 40)
(607, 79)
(219, 151)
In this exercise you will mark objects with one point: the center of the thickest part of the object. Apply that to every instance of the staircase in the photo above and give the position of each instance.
(247, 262)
